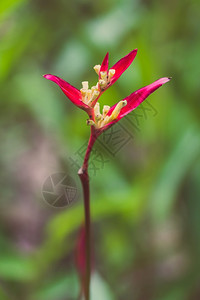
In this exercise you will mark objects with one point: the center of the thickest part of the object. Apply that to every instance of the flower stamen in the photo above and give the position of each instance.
(104, 76)
(114, 114)
(105, 110)
(97, 69)
(102, 84)
(103, 119)
(89, 95)
(111, 73)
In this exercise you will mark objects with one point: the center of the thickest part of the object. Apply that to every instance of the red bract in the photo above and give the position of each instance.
(122, 65)
(137, 97)
(131, 102)
(70, 91)
(111, 75)
(104, 65)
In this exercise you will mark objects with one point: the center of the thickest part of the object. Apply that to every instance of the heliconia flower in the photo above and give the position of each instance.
(86, 97)
(113, 114)
(108, 76)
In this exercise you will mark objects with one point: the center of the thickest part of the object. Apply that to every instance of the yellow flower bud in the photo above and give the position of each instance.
(105, 110)
(97, 69)
(117, 109)
(85, 85)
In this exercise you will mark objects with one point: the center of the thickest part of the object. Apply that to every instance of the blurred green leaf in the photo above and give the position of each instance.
(14, 44)
(17, 268)
(3, 295)
(176, 167)
(8, 5)
(61, 226)
(61, 287)
(108, 30)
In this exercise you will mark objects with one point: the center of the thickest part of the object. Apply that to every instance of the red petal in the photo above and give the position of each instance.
(123, 64)
(70, 91)
(136, 98)
(104, 65)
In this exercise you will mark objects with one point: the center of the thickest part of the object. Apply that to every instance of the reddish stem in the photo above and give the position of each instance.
(84, 177)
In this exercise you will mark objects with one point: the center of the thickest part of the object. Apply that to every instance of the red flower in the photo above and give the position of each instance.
(87, 99)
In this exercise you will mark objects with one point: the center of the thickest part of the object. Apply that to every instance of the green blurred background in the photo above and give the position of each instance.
(145, 199)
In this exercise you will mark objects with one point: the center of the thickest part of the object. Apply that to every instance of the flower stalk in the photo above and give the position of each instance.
(84, 177)
(87, 228)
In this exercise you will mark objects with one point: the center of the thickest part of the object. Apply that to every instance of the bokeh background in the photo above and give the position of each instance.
(145, 198)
